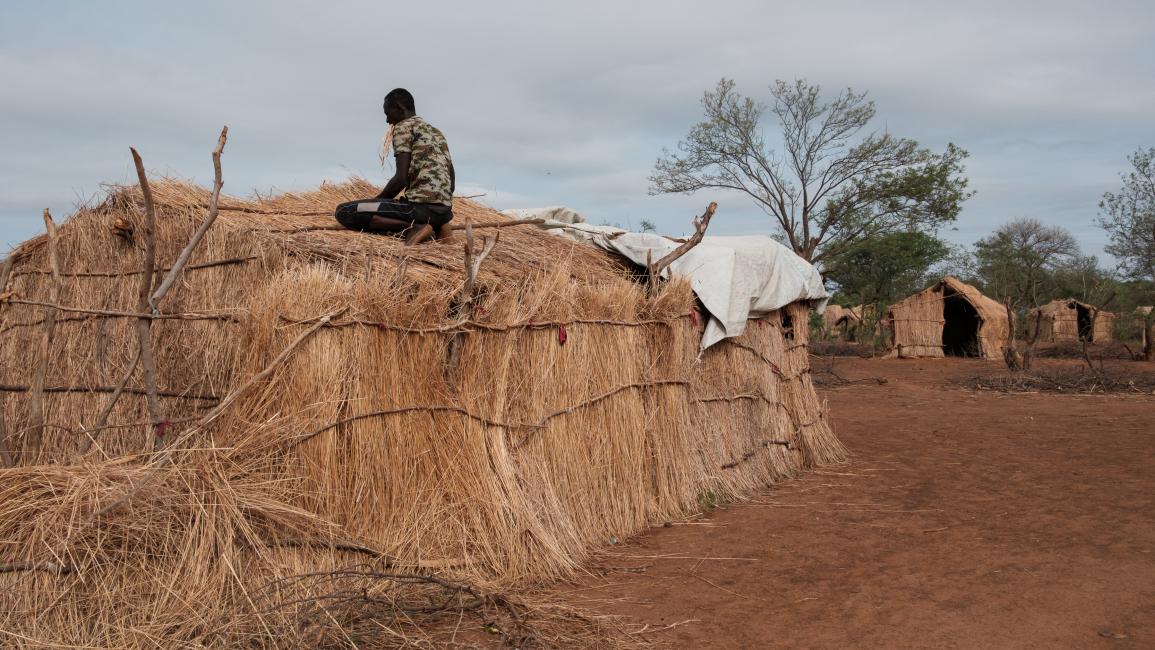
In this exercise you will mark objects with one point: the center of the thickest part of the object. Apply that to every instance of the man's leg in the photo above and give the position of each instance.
(434, 219)
(376, 215)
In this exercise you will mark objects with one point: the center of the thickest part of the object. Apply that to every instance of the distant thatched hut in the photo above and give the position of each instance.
(571, 408)
(834, 319)
(1069, 321)
(948, 318)
(844, 323)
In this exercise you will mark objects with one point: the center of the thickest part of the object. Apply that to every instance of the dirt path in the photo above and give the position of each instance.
(966, 519)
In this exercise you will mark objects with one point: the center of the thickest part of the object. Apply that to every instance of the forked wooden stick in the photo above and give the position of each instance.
(700, 224)
(146, 304)
(183, 258)
(463, 305)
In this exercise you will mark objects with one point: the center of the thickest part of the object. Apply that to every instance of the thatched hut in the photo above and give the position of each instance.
(570, 408)
(949, 318)
(844, 323)
(1071, 321)
(834, 318)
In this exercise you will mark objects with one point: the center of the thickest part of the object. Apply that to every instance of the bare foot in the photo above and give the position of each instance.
(422, 233)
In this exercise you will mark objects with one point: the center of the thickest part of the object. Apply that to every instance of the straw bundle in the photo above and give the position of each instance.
(1069, 321)
(949, 317)
(308, 391)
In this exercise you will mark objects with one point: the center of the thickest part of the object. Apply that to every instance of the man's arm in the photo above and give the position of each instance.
(400, 178)
(452, 178)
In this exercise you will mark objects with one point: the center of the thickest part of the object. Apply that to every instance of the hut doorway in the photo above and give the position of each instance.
(1086, 329)
(960, 331)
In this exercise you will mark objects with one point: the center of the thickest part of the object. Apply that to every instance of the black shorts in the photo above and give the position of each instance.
(356, 215)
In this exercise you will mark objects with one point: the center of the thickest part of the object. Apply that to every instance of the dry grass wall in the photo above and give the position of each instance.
(1058, 322)
(578, 410)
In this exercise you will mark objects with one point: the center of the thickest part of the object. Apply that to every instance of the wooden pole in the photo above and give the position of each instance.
(36, 392)
(144, 325)
(463, 305)
(6, 457)
(5, 274)
(500, 224)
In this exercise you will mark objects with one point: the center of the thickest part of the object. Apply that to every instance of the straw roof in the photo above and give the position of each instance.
(348, 403)
(1058, 322)
(919, 323)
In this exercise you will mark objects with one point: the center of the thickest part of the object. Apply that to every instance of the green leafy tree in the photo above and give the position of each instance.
(1128, 216)
(1019, 260)
(886, 268)
(830, 187)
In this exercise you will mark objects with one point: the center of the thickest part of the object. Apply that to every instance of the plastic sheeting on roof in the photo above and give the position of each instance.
(736, 278)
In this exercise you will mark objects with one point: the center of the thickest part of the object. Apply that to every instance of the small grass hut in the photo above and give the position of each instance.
(844, 323)
(949, 318)
(1071, 321)
(322, 392)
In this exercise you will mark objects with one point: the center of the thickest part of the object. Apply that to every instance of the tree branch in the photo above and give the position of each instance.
(700, 224)
(186, 252)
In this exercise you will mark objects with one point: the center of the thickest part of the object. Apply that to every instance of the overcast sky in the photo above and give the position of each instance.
(548, 103)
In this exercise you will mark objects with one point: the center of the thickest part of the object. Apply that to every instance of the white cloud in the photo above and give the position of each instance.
(547, 103)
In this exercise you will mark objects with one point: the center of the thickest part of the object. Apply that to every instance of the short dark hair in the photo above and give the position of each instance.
(401, 98)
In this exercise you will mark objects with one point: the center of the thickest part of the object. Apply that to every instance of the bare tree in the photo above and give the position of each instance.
(1019, 260)
(828, 189)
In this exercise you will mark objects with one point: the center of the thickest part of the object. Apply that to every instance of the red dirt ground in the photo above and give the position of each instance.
(965, 519)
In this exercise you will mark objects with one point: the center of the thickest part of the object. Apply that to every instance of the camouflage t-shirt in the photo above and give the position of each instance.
(429, 161)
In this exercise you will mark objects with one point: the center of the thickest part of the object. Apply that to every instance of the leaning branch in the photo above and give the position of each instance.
(102, 419)
(700, 224)
(167, 458)
(183, 258)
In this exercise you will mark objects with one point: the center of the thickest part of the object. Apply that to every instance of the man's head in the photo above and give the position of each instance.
(398, 105)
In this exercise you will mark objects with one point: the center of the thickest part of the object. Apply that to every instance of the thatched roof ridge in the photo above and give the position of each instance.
(987, 307)
(303, 224)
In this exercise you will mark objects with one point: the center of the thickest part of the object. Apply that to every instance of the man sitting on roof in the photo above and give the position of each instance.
(424, 173)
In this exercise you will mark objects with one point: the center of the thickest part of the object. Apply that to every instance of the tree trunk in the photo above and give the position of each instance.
(1149, 338)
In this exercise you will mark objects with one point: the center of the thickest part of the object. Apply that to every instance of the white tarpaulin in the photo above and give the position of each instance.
(736, 278)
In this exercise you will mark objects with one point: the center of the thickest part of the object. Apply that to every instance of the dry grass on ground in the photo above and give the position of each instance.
(1128, 378)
